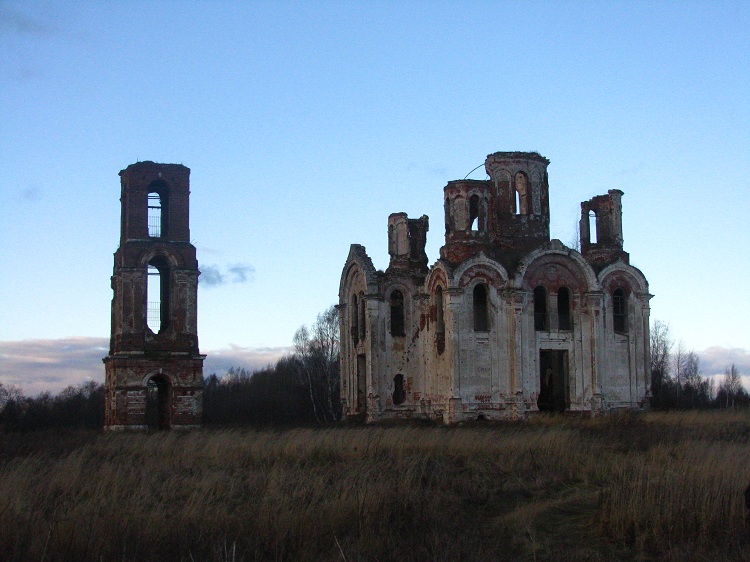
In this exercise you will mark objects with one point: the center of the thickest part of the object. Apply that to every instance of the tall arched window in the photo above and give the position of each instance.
(157, 203)
(474, 213)
(157, 295)
(397, 314)
(540, 309)
(563, 309)
(521, 194)
(362, 324)
(481, 316)
(439, 311)
(620, 311)
(592, 228)
(154, 214)
(354, 319)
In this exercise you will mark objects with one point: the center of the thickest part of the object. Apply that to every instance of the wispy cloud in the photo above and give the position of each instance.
(241, 273)
(51, 365)
(14, 22)
(219, 361)
(213, 276)
(31, 194)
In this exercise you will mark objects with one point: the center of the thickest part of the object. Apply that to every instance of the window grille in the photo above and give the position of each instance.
(154, 215)
(153, 304)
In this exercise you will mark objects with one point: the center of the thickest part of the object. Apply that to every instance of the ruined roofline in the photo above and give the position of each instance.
(459, 182)
(517, 156)
(150, 165)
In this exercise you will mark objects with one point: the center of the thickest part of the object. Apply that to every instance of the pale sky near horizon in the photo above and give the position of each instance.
(306, 123)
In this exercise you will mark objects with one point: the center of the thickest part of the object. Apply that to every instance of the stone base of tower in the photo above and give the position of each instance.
(153, 393)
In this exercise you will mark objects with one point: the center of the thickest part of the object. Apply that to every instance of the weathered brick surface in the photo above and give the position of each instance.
(138, 355)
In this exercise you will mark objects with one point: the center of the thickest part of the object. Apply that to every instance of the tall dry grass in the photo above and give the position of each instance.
(661, 486)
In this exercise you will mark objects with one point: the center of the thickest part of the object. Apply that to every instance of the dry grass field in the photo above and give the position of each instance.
(657, 486)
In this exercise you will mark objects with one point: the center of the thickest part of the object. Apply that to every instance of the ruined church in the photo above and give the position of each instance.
(506, 322)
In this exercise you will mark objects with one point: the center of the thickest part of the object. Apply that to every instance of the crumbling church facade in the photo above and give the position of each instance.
(507, 322)
(154, 370)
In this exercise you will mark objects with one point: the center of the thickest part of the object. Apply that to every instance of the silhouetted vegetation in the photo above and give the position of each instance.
(676, 381)
(76, 407)
(301, 388)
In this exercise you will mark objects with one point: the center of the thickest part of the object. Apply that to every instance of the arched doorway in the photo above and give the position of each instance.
(158, 402)
(553, 381)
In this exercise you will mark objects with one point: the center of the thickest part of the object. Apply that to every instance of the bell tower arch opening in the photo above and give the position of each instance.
(157, 295)
(158, 402)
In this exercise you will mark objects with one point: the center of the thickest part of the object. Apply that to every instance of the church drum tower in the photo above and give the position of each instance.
(154, 370)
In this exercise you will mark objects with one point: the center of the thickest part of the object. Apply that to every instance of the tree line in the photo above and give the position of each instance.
(677, 382)
(303, 387)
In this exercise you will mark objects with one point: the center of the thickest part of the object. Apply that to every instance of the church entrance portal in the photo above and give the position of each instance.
(158, 401)
(553, 381)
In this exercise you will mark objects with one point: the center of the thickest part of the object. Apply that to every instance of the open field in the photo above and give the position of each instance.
(632, 487)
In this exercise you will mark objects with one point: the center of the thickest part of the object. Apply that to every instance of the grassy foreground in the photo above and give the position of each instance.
(634, 487)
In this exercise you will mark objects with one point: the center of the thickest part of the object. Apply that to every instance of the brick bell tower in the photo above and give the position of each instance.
(154, 371)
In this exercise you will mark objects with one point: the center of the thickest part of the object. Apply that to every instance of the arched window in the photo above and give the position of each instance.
(354, 319)
(474, 213)
(397, 314)
(157, 295)
(157, 203)
(399, 395)
(540, 309)
(459, 214)
(362, 325)
(522, 194)
(154, 215)
(592, 228)
(481, 316)
(439, 311)
(620, 311)
(563, 309)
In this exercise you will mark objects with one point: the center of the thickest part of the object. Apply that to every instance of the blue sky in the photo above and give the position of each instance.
(306, 123)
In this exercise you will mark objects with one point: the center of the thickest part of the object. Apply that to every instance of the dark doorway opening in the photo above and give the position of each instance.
(553, 381)
(361, 387)
(399, 395)
(158, 403)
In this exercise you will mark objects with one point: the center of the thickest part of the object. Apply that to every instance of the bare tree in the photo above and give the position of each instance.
(661, 348)
(680, 365)
(8, 394)
(575, 239)
(303, 351)
(662, 388)
(731, 388)
(317, 350)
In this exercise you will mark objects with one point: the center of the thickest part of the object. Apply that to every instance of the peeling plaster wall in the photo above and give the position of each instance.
(469, 370)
